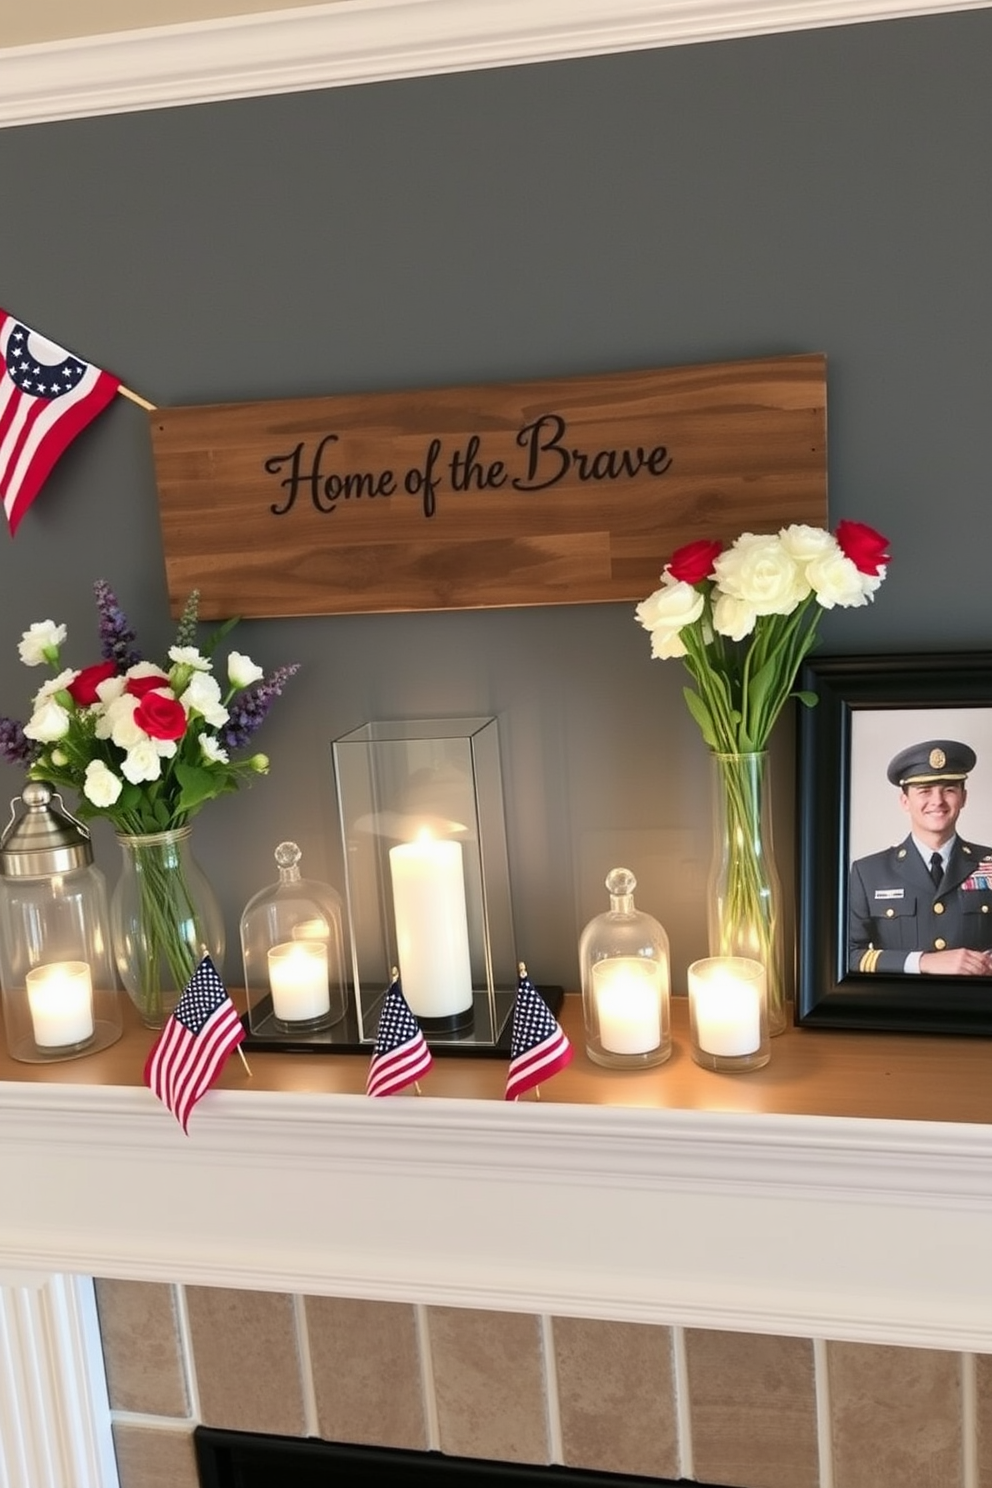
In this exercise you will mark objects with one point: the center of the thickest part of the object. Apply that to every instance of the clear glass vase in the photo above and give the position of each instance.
(745, 892)
(164, 918)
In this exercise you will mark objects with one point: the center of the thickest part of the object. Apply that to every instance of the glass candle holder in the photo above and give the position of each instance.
(60, 1004)
(728, 1014)
(292, 946)
(624, 962)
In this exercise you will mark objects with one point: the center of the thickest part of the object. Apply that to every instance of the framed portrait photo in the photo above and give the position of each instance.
(894, 843)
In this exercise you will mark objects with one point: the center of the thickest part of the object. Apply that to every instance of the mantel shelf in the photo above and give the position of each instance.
(815, 1073)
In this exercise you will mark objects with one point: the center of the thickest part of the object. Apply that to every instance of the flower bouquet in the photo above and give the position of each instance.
(146, 746)
(742, 619)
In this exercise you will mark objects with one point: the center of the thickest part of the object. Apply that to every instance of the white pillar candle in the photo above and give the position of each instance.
(726, 1005)
(431, 926)
(60, 1000)
(627, 995)
(298, 980)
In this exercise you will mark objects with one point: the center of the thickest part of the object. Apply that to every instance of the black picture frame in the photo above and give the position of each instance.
(828, 993)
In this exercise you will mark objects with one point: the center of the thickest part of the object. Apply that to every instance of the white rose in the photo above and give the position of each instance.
(837, 581)
(212, 751)
(143, 762)
(666, 645)
(666, 612)
(803, 543)
(203, 696)
(672, 606)
(761, 572)
(100, 785)
(49, 723)
(242, 671)
(733, 617)
(41, 642)
(116, 722)
(189, 656)
(111, 688)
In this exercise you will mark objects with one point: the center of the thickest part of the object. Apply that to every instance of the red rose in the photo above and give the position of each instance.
(161, 716)
(83, 689)
(694, 562)
(139, 686)
(866, 548)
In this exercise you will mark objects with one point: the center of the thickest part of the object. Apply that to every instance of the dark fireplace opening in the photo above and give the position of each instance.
(242, 1459)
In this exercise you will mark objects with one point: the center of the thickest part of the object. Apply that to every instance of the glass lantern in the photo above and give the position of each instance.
(292, 944)
(60, 997)
(626, 982)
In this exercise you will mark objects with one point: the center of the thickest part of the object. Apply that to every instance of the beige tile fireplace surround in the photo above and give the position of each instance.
(777, 1280)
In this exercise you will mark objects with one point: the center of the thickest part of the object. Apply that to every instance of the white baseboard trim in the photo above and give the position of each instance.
(364, 41)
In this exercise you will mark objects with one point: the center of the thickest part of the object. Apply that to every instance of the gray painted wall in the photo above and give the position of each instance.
(824, 191)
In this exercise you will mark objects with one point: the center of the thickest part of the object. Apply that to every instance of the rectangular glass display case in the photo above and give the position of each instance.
(426, 876)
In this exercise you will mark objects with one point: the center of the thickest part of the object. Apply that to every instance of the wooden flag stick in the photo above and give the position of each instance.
(244, 1061)
(135, 398)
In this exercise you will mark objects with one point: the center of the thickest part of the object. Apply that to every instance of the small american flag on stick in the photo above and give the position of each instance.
(194, 1044)
(401, 1054)
(538, 1046)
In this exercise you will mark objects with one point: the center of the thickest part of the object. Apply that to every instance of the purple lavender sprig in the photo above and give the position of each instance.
(186, 629)
(116, 636)
(15, 747)
(248, 710)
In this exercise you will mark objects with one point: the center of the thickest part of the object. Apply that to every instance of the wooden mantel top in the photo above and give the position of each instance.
(902, 1077)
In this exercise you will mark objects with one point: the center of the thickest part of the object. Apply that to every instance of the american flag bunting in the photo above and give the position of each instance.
(194, 1044)
(538, 1046)
(47, 397)
(401, 1054)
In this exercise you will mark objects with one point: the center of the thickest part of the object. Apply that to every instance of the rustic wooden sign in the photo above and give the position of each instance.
(559, 492)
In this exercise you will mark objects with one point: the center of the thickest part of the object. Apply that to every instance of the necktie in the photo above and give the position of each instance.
(936, 868)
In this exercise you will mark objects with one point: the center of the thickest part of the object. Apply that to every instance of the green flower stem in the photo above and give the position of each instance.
(745, 904)
(167, 933)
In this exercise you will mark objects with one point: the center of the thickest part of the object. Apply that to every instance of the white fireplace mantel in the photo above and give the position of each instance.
(814, 1226)
(705, 1214)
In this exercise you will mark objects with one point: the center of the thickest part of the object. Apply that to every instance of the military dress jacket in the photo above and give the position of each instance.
(893, 907)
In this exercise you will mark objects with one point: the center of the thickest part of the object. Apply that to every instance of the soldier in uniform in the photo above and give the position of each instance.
(926, 904)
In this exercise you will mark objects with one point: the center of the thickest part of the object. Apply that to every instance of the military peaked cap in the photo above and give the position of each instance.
(932, 761)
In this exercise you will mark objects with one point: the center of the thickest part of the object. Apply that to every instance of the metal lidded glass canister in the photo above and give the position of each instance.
(60, 997)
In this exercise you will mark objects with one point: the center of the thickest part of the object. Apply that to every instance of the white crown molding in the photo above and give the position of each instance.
(363, 41)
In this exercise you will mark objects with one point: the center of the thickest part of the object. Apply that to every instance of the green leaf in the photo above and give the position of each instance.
(214, 639)
(808, 699)
(197, 785)
(701, 714)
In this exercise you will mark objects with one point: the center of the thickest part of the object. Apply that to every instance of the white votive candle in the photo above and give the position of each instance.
(726, 1005)
(431, 926)
(298, 981)
(627, 996)
(60, 1000)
